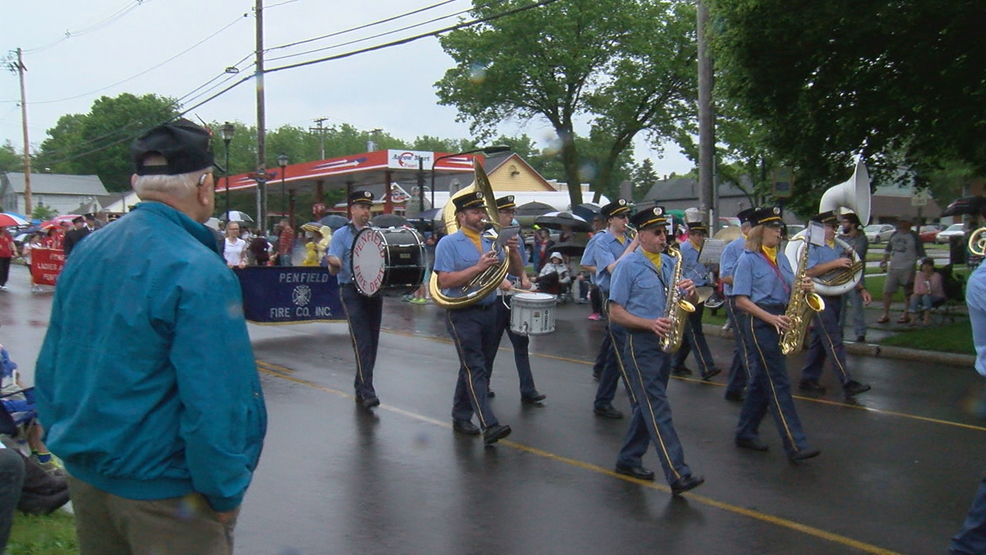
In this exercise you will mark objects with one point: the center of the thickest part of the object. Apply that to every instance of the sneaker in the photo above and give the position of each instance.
(595, 316)
(811, 386)
(860, 339)
(419, 300)
(52, 467)
(853, 387)
(3, 287)
(407, 298)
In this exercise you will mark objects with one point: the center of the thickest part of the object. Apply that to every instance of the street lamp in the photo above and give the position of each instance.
(496, 149)
(227, 133)
(282, 160)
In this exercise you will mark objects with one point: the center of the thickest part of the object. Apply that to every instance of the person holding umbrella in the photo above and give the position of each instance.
(7, 250)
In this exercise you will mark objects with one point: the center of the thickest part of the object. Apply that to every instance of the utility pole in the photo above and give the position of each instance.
(261, 121)
(20, 68)
(706, 124)
(321, 136)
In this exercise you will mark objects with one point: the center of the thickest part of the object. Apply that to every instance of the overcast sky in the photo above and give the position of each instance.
(76, 52)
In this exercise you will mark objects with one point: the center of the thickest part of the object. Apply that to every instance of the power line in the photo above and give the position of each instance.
(132, 5)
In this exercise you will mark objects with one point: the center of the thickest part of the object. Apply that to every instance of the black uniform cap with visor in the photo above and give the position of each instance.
(766, 216)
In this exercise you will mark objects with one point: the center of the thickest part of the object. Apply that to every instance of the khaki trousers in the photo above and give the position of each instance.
(110, 525)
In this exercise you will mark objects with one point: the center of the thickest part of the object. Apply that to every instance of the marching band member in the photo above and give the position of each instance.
(636, 307)
(459, 258)
(603, 252)
(506, 207)
(363, 313)
(762, 283)
(694, 340)
(826, 334)
(739, 370)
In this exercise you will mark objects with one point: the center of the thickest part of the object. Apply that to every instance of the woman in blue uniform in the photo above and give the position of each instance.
(638, 293)
(762, 283)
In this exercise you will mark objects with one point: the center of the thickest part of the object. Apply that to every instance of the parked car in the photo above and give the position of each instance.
(878, 233)
(794, 229)
(954, 230)
(928, 233)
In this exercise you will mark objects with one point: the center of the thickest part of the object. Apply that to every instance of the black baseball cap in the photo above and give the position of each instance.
(185, 146)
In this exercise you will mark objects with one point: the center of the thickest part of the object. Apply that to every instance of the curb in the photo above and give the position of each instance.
(879, 351)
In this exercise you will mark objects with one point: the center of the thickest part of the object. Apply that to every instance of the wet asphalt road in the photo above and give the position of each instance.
(897, 472)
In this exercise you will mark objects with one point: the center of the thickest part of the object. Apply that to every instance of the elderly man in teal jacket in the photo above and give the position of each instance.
(155, 404)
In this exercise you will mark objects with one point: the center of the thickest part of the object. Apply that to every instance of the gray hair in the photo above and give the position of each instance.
(175, 186)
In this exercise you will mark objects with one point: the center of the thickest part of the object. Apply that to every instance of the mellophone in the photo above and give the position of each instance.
(388, 261)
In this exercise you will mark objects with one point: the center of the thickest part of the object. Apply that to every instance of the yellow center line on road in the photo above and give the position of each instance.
(285, 374)
(696, 380)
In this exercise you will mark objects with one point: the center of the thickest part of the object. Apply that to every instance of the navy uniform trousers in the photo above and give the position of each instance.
(613, 369)
(473, 329)
(363, 314)
(826, 342)
(769, 387)
(739, 370)
(648, 369)
(694, 340)
(520, 342)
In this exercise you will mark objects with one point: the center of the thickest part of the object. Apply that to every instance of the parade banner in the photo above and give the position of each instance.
(289, 294)
(46, 264)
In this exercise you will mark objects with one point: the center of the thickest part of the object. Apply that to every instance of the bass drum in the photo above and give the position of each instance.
(390, 261)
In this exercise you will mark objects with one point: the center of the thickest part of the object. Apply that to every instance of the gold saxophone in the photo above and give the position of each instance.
(801, 308)
(676, 308)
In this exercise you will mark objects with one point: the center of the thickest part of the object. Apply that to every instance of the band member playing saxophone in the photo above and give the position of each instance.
(637, 304)
(826, 335)
(762, 286)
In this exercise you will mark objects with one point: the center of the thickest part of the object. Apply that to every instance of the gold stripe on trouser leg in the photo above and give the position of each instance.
(696, 348)
(619, 355)
(477, 408)
(349, 322)
(831, 350)
(773, 392)
(650, 407)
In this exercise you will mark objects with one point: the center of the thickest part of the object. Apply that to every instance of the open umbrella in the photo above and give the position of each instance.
(533, 209)
(11, 220)
(556, 220)
(586, 211)
(237, 216)
(212, 223)
(388, 220)
(334, 221)
(570, 248)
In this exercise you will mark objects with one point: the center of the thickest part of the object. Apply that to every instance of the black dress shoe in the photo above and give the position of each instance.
(735, 396)
(811, 386)
(637, 472)
(608, 412)
(490, 394)
(751, 443)
(681, 371)
(533, 399)
(805, 454)
(711, 373)
(370, 402)
(860, 339)
(853, 387)
(494, 434)
(686, 483)
(465, 427)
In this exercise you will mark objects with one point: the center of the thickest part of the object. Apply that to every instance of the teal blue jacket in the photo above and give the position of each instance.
(146, 382)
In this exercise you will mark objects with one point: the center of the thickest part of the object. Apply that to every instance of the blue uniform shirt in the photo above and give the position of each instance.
(690, 266)
(457, 252)
(975, 299)
(637, 287)
(727, 262)
(341, 247)
(603, 249)
(758, 279)
(820, 254)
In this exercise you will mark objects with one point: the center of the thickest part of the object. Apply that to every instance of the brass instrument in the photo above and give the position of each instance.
(841, 276)
(676, 308)
(491, 278)
(801, 307)
(977, 242)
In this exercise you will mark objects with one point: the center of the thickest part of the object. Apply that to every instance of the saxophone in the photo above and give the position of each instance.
(676, 309)
(801, 307)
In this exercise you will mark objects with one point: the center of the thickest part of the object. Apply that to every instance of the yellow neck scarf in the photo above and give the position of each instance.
(474, 237)
(655, 259)
(771, 253)
(831, 244)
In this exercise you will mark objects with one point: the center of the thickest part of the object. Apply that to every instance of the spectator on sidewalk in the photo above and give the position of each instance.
(904, 248)
(929, 292)
(7, 251)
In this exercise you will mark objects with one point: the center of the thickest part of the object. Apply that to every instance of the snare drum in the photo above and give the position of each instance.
(532, 313)
(388, 261)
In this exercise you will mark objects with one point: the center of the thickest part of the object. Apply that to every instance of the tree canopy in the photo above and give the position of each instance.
(903, 83)
(627, 65)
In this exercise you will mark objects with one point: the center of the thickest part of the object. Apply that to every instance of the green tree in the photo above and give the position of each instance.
(644, 178)
(902, 83)
(10, 159)
(99, 142)
(43, 212)
(604, 58)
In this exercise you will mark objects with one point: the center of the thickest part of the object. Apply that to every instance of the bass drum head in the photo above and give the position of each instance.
(368, 261)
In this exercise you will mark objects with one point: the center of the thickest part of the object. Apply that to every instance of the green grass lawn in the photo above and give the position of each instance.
(43, 535)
